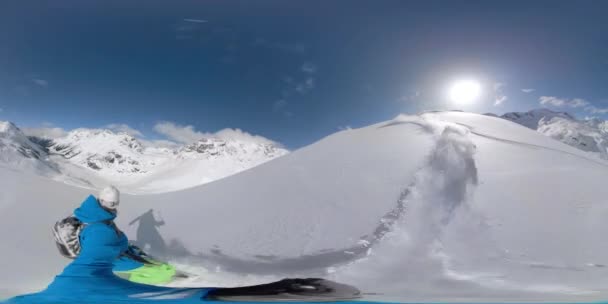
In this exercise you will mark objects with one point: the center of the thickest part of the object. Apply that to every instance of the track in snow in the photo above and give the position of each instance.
(440, 187)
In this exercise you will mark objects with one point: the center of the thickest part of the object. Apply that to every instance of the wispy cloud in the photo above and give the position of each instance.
(47, 130)
(125, 129)
(577, 103)
(551, 100)
(238, 134)
(499, 96)
(596, 110)
(500, 100)
(561, 102)
(195, 20)
(188, 134)
(182, 134)
(528, 90)
(572, 103)
(40, 82)
(299, 83)
(309, 68)
(306, 85)
(189, 28)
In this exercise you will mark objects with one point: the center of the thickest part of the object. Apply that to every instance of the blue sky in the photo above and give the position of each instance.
(292, 71)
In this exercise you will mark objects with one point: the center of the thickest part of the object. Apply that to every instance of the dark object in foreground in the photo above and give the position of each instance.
(288, 290)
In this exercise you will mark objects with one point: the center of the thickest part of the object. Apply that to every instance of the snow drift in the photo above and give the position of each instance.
(441, 206)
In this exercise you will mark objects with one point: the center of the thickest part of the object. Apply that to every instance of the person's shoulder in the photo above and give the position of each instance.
(99, 225)
(97, 228)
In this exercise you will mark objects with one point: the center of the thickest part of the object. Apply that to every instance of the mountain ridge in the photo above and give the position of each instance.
(102, 156)
(589, 135)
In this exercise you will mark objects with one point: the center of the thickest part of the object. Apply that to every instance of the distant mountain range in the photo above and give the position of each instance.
(590, 135)
(94, 157)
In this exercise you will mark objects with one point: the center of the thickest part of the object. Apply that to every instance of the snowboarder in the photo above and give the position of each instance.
(90, 278)
(90, 221)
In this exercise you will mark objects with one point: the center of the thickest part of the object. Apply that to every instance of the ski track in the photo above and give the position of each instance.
(439, 188)
(411, 252)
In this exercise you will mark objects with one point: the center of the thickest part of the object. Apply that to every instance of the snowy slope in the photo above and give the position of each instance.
(97, 157)
(440, 206)
(588, 135)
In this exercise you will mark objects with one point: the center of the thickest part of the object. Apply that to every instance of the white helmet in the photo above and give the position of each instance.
(109, 198)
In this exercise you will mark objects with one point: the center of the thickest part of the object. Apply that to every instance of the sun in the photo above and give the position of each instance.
(465, 92)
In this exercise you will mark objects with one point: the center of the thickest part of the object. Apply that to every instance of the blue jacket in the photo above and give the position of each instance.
(100, 240)
(89, 278)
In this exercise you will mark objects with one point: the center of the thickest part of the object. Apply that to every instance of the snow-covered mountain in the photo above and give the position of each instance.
(437, 207)
(17, 151)
(588, 135)
(104, 151)
(216, 148)
(531, 118)
(94, 157)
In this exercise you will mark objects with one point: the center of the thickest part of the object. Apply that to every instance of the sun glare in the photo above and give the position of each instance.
(465, 92)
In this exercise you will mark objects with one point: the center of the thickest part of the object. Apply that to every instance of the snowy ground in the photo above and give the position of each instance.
(438, 207)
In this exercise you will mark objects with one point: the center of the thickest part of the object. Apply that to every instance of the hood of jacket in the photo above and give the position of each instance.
(91, 212)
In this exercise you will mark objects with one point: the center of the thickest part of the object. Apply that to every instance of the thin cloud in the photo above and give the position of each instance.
(561, 102)
(552, 100)
(294, 85)
(572, 103)
(306, 85)
(40, 82)
(240, 135)
(45, 132)
(500, 100)
(175, 132)
(309, 68)
(195, 20)
(188, 134)
(578, 102)
(125, 129)
(188, 28)
(499, 96)
(528, 90)
(596, 110)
